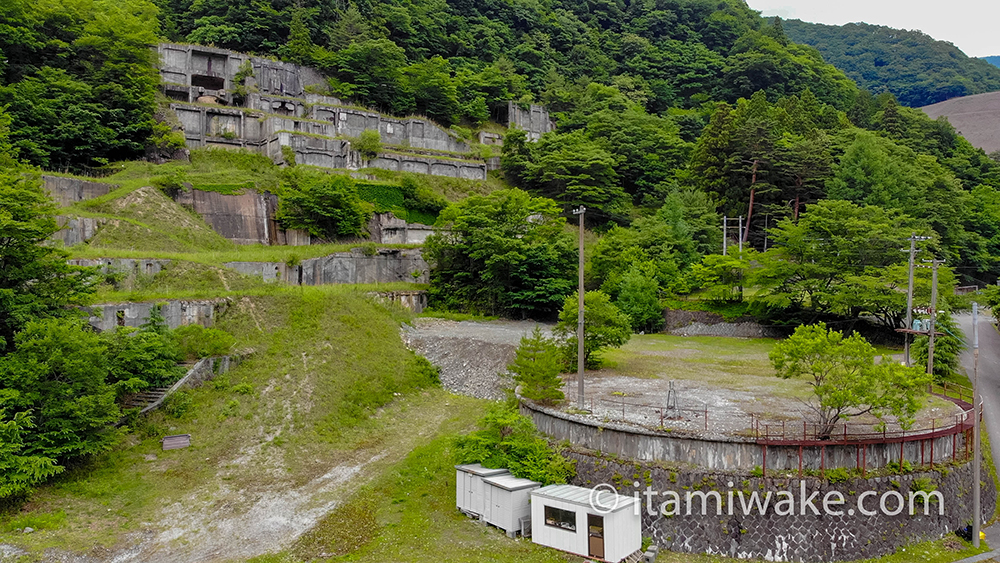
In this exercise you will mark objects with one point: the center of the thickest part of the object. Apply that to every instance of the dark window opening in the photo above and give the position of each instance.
(120, 318)
(559, 518)
(208, 82)
(180, 96)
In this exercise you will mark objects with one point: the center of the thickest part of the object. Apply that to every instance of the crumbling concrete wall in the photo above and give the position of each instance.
(67, 191)
(415, 301)
(128, 266)
(355, 267)
(193, 71)
(247, 218)
(386, 266)
(176, 313)
(76, 230)
(422, 164)
(535, 120)
(386, 228)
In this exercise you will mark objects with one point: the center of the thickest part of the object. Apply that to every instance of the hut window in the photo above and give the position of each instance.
(559, 518)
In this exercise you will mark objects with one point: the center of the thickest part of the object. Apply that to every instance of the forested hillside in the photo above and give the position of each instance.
(993, 60)
(915, 67)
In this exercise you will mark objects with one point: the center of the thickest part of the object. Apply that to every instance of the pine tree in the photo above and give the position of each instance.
(536, 369)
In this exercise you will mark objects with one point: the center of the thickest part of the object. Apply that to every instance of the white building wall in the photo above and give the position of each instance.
(622, 533)
(558, 538)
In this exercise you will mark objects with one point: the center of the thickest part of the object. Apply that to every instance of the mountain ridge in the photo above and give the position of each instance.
(918, 69)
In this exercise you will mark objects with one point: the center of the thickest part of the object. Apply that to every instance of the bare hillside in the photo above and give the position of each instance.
(977, 118)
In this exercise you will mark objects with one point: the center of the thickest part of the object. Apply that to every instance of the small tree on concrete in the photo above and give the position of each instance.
(536, 369)
(604, 325)
(845, 379)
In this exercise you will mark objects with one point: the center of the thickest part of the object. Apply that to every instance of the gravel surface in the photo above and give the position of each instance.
(473, 356)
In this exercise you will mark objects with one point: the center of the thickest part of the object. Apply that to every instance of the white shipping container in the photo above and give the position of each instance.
(508, 500)
(470, 491)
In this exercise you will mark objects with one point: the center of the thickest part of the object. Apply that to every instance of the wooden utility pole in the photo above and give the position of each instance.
(581, 399)
(909, 296)
(930, 333)
(976, 509)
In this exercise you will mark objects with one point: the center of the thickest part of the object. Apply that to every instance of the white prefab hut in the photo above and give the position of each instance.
(470, 491)
(598, 524)
(507, 503)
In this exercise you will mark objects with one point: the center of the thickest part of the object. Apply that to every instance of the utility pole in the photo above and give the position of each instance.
(909, 295)
(741, 234)
(725, 233)
(976, 510)
(930, 334)
(579, 319)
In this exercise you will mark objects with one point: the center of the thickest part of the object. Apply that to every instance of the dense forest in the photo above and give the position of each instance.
(671, 114)
(913, 66)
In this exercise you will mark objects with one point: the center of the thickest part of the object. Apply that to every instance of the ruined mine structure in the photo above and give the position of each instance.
(228, 99)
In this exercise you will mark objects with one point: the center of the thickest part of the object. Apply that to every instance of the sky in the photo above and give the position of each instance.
(971, 25)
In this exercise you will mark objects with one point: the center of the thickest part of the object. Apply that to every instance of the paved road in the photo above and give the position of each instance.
(989, 386)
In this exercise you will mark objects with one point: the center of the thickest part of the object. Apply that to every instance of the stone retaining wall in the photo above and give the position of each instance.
(130, 266)
(802, 536)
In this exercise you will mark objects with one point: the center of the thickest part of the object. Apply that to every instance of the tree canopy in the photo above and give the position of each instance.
(502, 254)
(845, 380)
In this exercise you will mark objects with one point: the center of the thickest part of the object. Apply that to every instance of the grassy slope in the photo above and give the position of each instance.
(325, 360)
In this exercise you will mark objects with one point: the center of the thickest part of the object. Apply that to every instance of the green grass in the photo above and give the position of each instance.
(408, 514)
(453, 189)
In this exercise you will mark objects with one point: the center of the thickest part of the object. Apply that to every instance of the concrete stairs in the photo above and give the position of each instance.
(145, 398)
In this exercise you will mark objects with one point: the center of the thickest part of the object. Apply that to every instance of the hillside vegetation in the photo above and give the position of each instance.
(918, 69)
(993, 60)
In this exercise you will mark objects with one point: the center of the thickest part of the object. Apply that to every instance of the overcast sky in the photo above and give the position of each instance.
(971, 25)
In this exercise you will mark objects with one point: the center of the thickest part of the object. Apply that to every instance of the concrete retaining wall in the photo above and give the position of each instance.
(734, 454)
(145, 266)
(176, 313)
(801, 536)
(76, 230)
(355, 267)
(67, 191)
(247, 218)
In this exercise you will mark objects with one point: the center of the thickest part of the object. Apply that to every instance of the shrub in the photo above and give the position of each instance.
(196, 342)
(244, 388)
(288, 154)
(178, 404)
(368, 143)
(509, 439)
(326, 205)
